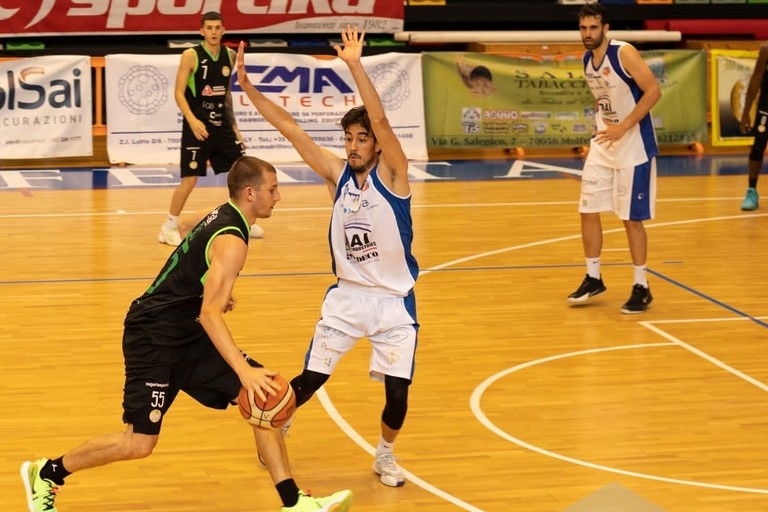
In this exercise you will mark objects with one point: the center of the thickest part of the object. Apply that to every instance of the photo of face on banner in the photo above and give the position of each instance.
(477, 79)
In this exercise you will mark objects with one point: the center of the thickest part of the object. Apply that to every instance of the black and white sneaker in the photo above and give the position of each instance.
(639, 301)
(590, 287)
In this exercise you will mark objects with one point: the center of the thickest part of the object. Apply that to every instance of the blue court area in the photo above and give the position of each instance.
(74, 178)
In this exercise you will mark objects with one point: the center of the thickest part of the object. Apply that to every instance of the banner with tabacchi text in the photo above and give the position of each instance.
(730, 71)
(20, 18)
(45, 107)
(144, 122)
(476, 101)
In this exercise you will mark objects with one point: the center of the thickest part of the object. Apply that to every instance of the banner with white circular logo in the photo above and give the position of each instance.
(144, 122)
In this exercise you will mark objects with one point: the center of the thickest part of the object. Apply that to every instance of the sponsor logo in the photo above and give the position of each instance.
(396, 336)
(330, 332)
(142, 90)
(276, 79)
(155, 415)
(327, 348)
(117, 14)
(500, 115)
(29, 90)
(393, 84)
(156, 384)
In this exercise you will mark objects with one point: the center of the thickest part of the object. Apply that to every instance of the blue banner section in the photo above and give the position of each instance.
(463, 170)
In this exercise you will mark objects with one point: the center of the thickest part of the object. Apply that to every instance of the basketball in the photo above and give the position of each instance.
(273, 413)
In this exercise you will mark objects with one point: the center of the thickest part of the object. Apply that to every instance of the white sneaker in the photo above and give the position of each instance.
(257, 231)
(386, 466)
(170, 236)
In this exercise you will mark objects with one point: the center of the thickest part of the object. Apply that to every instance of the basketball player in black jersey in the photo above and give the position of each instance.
(175, 339)
(209, 130)
(757, 90)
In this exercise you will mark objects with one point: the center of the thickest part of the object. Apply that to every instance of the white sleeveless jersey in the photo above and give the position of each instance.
(370, 236)
(616, 95)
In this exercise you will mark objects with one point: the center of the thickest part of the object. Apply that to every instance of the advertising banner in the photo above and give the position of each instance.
(475, 100)
(91, 17)
(730, 71)
(144, 122)
(45, 107)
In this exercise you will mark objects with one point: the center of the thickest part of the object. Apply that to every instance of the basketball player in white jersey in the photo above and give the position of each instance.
(620, 170)
(370, 237)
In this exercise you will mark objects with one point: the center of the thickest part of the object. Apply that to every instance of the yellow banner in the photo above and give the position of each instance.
(730, 72)
(475, 100)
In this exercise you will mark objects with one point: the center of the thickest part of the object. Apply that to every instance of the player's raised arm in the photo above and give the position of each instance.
(321, 160)
(393, 157)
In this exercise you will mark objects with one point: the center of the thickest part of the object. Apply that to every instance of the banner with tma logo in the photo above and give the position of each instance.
(45, 107)
(144, 122)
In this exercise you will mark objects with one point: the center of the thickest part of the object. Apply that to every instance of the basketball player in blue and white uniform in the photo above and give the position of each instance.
(370, 238)
(620, 170)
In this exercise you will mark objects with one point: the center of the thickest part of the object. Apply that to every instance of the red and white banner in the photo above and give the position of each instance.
(144, 123)
(45, 107)
(91, 17)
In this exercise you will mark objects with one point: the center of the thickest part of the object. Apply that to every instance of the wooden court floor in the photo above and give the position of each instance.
(520, 403)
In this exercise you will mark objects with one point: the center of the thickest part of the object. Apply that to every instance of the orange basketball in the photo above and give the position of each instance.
(273, 413)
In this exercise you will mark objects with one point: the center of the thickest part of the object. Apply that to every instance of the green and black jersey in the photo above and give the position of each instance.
(208, 86)
(169, 309)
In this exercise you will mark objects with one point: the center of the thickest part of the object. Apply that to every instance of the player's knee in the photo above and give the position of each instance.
(757, 152)
(305, 385)
(138, 446)
(395, 409)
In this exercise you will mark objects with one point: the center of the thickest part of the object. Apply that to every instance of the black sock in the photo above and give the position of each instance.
(288, 491)
(54, 471)
(752, 183)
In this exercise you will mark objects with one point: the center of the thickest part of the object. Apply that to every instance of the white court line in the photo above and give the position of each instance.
(715, 319)
(474, 403)
(327, 403)
(704, 355)
(414, 206)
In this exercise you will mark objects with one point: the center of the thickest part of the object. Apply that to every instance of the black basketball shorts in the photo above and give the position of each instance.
(154, 375)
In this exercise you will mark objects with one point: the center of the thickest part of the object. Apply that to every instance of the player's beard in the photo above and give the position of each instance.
(594, 43)
(359, 169)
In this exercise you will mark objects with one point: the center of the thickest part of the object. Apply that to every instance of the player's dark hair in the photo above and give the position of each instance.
(357, 115)
(594, 10)
(247, 171)
(211, 16)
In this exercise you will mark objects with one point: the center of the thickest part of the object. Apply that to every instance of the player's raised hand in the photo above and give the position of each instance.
(242, 75)
(353, 44)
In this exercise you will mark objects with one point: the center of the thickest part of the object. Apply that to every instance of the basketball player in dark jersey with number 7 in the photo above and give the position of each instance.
(209, 130)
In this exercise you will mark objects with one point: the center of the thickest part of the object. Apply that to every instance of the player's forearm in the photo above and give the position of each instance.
(219, 333)
(649, 98)
(275, 115)
(184, 107)
(229, 111)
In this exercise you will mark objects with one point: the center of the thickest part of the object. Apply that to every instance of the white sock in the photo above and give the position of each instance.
(640, 277)
(172, 222)
(384, 447)
(593, 267)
